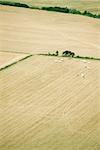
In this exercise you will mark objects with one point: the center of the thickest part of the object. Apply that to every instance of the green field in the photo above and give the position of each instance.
(90, 5)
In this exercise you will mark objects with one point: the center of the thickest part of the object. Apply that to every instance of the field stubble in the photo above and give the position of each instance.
(40, 31)
(45, 102)
(42, 110)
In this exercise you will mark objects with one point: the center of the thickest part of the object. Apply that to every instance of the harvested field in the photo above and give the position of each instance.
(9, 58)
(41, 31)
(50, 105)
(6, 57)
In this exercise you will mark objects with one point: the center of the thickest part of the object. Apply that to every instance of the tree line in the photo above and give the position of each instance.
(57, 9)
(71, 11)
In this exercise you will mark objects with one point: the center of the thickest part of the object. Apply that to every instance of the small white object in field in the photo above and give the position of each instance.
(82, 75)
(62, 59)
(58, 61)
(84, 61)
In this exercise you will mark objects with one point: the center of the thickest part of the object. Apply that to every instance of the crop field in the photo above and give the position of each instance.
(48, 108)
(49, 103)
(90, 5)
(40, 31)
(8, 58)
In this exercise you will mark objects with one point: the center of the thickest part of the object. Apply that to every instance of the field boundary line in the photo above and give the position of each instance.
(13, 52)
(75, 57)
(65, 10)
(15, 61)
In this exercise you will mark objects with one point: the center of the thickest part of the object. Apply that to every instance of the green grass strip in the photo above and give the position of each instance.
(76, 57)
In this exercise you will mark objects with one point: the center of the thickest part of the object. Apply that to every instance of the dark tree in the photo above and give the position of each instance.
(57, 53)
